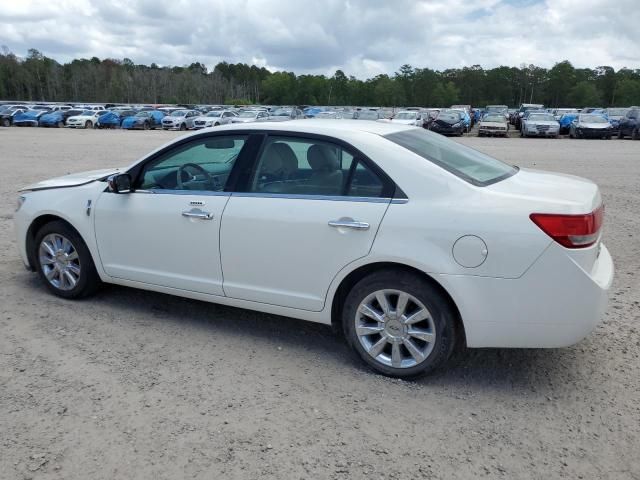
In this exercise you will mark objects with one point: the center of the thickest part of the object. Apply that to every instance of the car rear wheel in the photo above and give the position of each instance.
(146, 126)
(399, 324)
(63, 261)
(183, 127)
(635, 135)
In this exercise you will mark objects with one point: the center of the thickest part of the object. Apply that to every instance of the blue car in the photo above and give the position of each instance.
(57, 118)
(144, 120)
(466, 118)
(109, 120)
(30, 118)
(565, 122)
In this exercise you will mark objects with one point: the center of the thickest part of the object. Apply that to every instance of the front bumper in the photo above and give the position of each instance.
(26, 123)
(447, 130)
(492, 131)
(593, 132)
(542, 133)
(556, 303)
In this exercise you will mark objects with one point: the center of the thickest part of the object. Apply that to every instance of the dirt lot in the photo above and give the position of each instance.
(132, 384)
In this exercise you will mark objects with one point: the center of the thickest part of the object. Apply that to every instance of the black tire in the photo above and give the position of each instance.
(146, 126)
(635, 135)
(620, 134)
(88, 125)
(88, 281)
(439, 307)
(183, 127)
(6, 122)
(217, 124)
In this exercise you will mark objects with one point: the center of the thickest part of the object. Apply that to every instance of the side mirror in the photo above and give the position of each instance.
(120, 183)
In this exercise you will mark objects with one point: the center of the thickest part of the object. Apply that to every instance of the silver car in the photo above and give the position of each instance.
(180, 120)
(249, 116)
(214, 119)
(540, 125)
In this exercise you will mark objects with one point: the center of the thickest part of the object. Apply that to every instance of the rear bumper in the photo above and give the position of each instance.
(556, 303)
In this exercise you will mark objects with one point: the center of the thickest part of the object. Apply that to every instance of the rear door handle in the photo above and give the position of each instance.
(349, 223)
(197, 213)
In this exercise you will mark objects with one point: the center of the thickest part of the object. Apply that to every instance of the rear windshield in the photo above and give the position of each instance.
(471, 165)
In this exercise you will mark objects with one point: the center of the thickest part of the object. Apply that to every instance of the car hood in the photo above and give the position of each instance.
(51, 117)
(173, 119)
(81, 117)
(551, 123)
(403, 121)
(592, 125)
(71, 180)
(492, 124)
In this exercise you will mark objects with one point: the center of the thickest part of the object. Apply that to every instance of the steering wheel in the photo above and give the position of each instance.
(183, 169)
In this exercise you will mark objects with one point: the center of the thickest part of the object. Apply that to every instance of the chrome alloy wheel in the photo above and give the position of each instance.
(59, 261)
(395, 328)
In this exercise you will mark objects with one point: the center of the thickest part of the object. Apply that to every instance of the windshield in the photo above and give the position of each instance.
(592, 119)
(542, 117)
(179, 113)
(530, 107)
(281, 112)
(494, 118)
(497, 108)
(213, 114)
(248, 114)
(88, 113)
(406, 116)
(471, 165)
(452, 117)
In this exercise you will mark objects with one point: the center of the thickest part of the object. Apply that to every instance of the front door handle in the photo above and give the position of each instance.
(349, 223)
(197, 213)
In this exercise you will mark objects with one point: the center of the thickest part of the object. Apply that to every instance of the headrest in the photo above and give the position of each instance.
(323, 158)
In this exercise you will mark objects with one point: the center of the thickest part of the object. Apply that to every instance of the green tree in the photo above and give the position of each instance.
(584, 94)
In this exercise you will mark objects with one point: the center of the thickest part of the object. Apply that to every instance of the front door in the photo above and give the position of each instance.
(166, 232)
(310, 208)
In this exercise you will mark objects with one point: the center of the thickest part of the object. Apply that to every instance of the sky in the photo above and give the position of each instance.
(364, 38)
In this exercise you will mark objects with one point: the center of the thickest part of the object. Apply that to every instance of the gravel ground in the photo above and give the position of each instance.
(133, 384)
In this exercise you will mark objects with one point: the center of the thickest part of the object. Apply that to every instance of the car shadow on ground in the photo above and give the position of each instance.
(495, 369)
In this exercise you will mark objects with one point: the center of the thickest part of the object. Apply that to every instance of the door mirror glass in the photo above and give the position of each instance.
(120, 183)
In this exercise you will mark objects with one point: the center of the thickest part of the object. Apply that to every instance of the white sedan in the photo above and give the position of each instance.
(409, 242)
(87, 119)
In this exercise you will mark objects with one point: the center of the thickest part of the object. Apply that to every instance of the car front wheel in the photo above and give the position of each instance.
(6, 122)
(64, 262)
(399, 324)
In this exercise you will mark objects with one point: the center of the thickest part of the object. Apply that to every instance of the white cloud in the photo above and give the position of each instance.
(362, 37)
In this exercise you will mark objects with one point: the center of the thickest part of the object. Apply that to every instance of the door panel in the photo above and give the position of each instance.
(145, 237)
(282, 251)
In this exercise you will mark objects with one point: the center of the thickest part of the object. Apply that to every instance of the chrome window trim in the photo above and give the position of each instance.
(332, 198)
(162, 191)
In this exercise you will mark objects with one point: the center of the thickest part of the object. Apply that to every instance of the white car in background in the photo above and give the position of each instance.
(214, 118)
(87, 119)
(180, 120)
(409, 242)
(540, 125)
(249, 116)
(408, 117)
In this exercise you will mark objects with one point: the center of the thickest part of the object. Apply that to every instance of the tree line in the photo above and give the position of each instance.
(40, 78)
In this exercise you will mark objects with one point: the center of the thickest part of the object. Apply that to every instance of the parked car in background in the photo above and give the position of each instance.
(449, 122)
(408, 117)
(589, 125)
(180, 120)
(615, 115)
(114, 118)
(493, 124)
(565, 122)
(327, 115)
(368, 115)
(539, 125)
(466, 118)
(7, 114)
(86, 119)
(629, 125)
(214, 118)
(283, 114)
(145, 120)
(57, 118)
(500, 109)
(249, 116)
(411, 243)
(522, 110)
(29, 118)
(559, 112)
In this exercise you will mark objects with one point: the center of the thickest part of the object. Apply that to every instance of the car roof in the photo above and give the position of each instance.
(335, 128)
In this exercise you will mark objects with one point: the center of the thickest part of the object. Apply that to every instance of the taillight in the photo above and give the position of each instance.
(571, 231)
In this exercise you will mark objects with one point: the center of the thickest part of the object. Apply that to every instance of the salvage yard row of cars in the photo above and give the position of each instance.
(531, 120)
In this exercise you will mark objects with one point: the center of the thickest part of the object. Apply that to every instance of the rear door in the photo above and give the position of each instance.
(309, 207)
